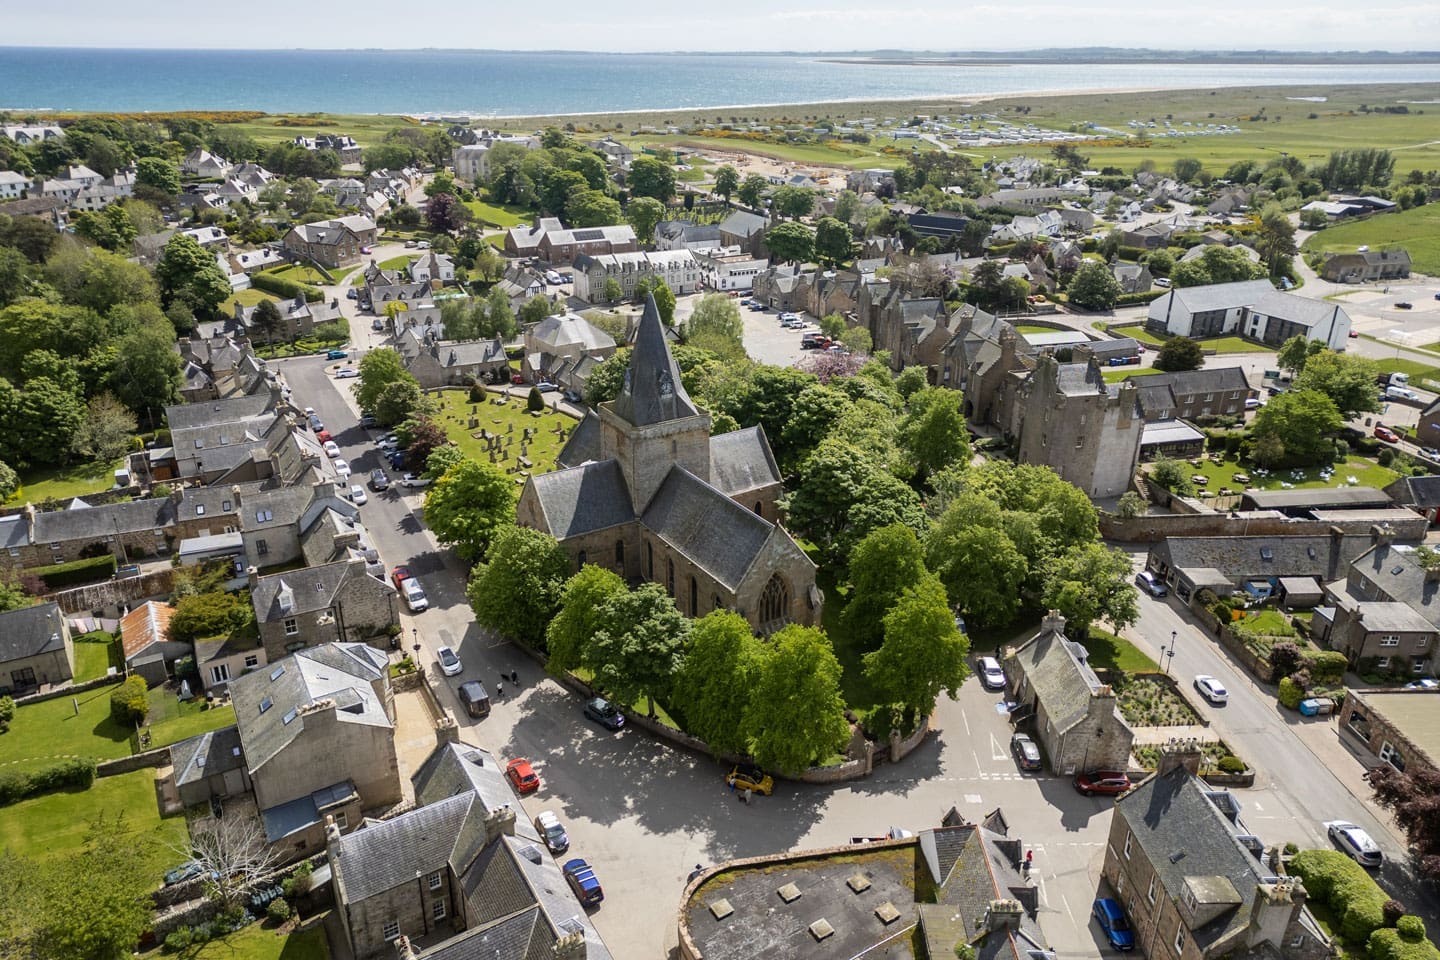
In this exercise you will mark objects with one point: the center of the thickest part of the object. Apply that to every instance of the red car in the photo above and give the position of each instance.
(1385, 433)
(516, 378)
(324, 436)
(1107, 782)
(522, 776)
(400, 573)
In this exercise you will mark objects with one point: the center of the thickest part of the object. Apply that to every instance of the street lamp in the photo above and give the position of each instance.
(1171, 653)
(416, 633)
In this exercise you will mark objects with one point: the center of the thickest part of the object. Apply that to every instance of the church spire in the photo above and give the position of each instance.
(652, 392)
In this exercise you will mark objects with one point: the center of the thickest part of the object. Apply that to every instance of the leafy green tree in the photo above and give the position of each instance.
(797, 715)
(187, 273)
(207, 615)
(14, 276)
(1296, 351)
(157, 174)
(1187, 169)
(882, 566)
(442, 458)
(715, 325)
(923, 653)
(1089, 582)
(567, 638)
(1347, 379)
(841, 497)
(717, 682)
(516, 591)
(1275, 240)
(592, 208)
(379, 369)
(265, 319)
(612, 290)
(9, 482)
(1094, 287)
(793, 202)
(815, 414)
(791, 243)
(422, 437)
(664, 297)
(832, 325)
(398, 402)
(832, 241)
(1301, 422)
(1131, 505)
(466, 506)
(39, 422)
(1172, 476)
(933, 430)
(1179, 353)
(982, 570)
(107, 431)
(727, 181)
(651, 177)
(535, 309)
(644, 213)
(638, 645)
(752, 190)
(856, 340)
(847, 206)
(12, 590)
(98, 279)
(445, 213)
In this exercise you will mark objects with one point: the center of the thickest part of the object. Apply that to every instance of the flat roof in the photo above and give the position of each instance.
(1169, 431)
(1057, 338)
(1415, 712)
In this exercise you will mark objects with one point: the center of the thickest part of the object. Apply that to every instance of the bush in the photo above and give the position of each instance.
(1410, 928)
(1393, 911)
(1387, 944)
(76, 772)
(178, 940)
(7, 712)
(76, 572)
(1364, 911)
(1231, 764)
(1385, 457)
(207, 615)
(1346, 888)
(286, 288)
(1291, 693)
(278, 911)
(1326, 667)
(130, 701)
(1291, 849)
(534, 401)
(299, 881)
(1320, 870)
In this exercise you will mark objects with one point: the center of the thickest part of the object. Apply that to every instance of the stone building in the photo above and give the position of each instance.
(318, 733)
(35, 649)
(1397, 727)
(678, 268)
(322, 604)
(333, 243)
(1187, 873)
(1077, 721)
(649, 494)
(1359, 267)
(1386, 607)
(1085, 429)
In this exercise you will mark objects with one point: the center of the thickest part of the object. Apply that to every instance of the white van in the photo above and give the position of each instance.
(415, 597)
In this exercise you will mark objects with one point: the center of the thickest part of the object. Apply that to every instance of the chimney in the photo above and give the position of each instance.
(403, 950)
(1054, 622)
(1004, 913)
(332, 834)
(235, 496)
(570, 947)
(498, 822)
(30, 522)
(177, 493)
(1382, 535)
(1180, 753)
(1276, 906)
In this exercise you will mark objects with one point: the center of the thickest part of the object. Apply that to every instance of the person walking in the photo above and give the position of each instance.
(500, 691)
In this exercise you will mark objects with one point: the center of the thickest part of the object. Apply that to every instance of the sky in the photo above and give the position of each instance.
(739, 25)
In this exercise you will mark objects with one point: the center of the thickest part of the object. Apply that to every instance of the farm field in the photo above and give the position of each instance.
(1417, 230)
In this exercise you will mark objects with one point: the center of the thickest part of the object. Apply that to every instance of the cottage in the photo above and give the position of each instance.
(35, 649)
(331, 243)
(333, 602)
(1397, 727)
(1366, 265)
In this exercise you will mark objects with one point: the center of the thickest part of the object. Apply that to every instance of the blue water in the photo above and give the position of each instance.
(507, 84)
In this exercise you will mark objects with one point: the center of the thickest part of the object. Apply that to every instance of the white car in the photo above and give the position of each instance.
(991, 676)
(1162, 281)
(346, 373)
(1355, 842)
(331, 448)
(358, 495)
(450, 664)
(415, 597)
(1211, 689)
(388, 442)
(342, 468)
(412, 482)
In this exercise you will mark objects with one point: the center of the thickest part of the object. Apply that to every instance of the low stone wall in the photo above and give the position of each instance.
(107, 596)
(70, 690)
(1154, 528)
(159, 757)
(1232, 642)
(446, 730)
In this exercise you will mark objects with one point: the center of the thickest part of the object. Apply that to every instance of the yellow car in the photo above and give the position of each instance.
(751, 778)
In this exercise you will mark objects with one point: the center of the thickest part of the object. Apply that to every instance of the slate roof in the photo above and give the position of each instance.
(386, 854)
(707, 527)
(1079, 380)
(582, 499)
(215, 412)
(307, 590)
(1390, 616)
(652, 392)
(1423, 492)
(1297, 309)
(742, 460)
(1332, 497)
(1060, 675)
(1164, 389)
(743, 223)
(1387, 572)
(14, 532)
(98, 523)
(1119, 347)
(1218, 296)
(30, 631)
(1183, 835)
(211, 753)
(456, 768)
(583, 443)
(567, 329)
(1241, 558)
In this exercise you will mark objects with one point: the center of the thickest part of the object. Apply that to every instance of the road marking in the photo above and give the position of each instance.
(966, 721)
(1257, 806)
(972, 798)
(1067, 908)
(1044, 897)
(995, 752)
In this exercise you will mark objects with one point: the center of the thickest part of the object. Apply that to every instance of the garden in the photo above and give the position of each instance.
(1151, 701)
(466, 422)
(1217, 757)
(257, 941)
(95, 654)
(1229, 474)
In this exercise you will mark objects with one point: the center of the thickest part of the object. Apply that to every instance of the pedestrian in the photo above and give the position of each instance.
(747, 796)
(1029, 860)
(731, 781)
(500, 690)
(515, 677)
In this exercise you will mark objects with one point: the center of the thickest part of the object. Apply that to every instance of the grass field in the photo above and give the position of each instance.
(544, 447)
(300, 273)
(95, 653)
(1218, 344)
(1417, 230)
(498, 215)
(52, 728)
(63, 483)
(1111, 652)
(1121, 374)
(1417, 370)
(172, 721)
(259, 941)
(55, 825)
(1367, 472)
(246, 298)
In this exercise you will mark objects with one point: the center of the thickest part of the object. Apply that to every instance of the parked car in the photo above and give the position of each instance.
(991, 676)
(548, 825)
(412, 482)
(1107, 782)
(1355, 842)
(583, 881)
(545, 386)
(1430, 453)
(1027, 754)
(1112, 920)
(474, 698)
(323, 436)
(522, 776)
(1425, 683)
(185, 871)
(516, 379)
(1150, 583)
(1162, 281)
(1253, 403)
(605, 713)
(378, 481)
(1212, 689)
(1403, 305)
(364, 249)
(414, 595)
(1383, 432)
(316, 423)
(336, 354)
(388, 442)
(449, 660)
(396, 459)
(352, 294)
(573, 396)
(399, 574)
(749, 777)
(342, 468)
(357, 495)
(368, 421)
(346, 373)
(331, 448)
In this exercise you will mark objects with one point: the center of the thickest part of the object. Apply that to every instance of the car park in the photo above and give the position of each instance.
(1212, 689)
(342, 468)
(412, 482)
(552, 831)
(583, 881)
(1150, 583)
(474, 698)
(378, 481)
(749, 777)
(346, 373)
(357, 495)
(1106, 782)
(331, 448)
(1027, 754)
(991, 676)
(414, 595)
(449, 661)
(522, 776)
(1354, 842)
(1112, 921)
(605, 713)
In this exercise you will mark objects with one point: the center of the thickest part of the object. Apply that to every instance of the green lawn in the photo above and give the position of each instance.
(1111, 652)
(63, 483)
(172, 721)
(1143, 335)
(1417, 370)
(260, 941)
(1218, 344)
(95, 653)
(499, 214)
(299, 348)
(52, 728)
(1027, 328)
(1367, 472)
(1417, 230)
(55, 825)
(300, 273)
(455, 416)
(1120, 374)
(1268, 623)
(246, 298)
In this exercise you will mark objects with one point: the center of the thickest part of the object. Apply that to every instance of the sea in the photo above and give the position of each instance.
(499, 84)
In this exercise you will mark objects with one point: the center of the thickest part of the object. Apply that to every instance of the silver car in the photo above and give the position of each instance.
(1355, 842)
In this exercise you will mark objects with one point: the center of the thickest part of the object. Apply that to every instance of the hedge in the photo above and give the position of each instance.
(1351, 893)
(75, 572)
(70, 772)
(285, 287)
(1392, 944)
(1291, 693)
(1327, 666)
(1133, 299)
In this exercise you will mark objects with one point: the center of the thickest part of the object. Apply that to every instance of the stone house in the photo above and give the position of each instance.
(298, 318)
(1427, 431)
(210, 765)
(219, 366)
(783, 286)
(1187, 872)
(686, 235)
(459, 876)
(1212, 392)
(1360, 267)
(1397, 727)
(130, 531)
(331, 243)
(565, 348)
(460, 362)
(1077, 720)
(318, 733)
(648, 493)
(1421, 494)
(678, 268)
(1067, 417)
(1255, 563)
(616, 153)
(562, 247)
(525, 241)
(1132, 277)
(333, 602)
(745, 229)
(432, 267)
(202, 163)
(984, 360)
(1366, 619)
(35, 649)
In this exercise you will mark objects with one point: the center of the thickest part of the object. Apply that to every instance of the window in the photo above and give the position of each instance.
(620, 554)
(1421, 643)
(342, 821)
(225, 505)
(1382, 663)
(220, 673)
(261, 548)
(1389, 640)
(1179, 937)
(1129, 838)
(1150, 893)
(694, 598)
(437, 910)
(392, 930)
(759, 509)
(292, 627)
(670, 577)
(774, 601)
(580, 560)
(199, 509)
(437, 879)
(1392, 756)
(1297, 941)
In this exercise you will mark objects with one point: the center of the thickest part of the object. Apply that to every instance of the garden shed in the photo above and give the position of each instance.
(1300, 592)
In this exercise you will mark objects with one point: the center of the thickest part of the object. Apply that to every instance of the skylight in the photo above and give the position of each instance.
(275, 674)
(266, 704)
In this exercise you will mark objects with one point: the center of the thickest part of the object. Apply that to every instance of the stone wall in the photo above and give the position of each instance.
(109, 595)
(159, 757)
(1153, 529)
(69, 690)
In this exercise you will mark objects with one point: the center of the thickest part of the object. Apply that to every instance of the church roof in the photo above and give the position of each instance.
(652, 392)
(706, 527)
(583, 499)
(741, 460)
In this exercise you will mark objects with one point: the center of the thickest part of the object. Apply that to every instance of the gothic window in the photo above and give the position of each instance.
(774, 601)
(694, 598)
(759, 509)
(580, 560)
(620, 554)
(649, 560)
(670, 577)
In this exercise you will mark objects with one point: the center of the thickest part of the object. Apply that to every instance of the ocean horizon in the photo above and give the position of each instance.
(513, 84)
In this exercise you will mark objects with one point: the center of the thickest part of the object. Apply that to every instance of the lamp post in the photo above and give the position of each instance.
(416, 633)
(1174, 634)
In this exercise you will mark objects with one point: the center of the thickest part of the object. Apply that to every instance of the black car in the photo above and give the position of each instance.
(572, 396)
(378, 480)
(368, 421)
(1026, 753)
(605, 713)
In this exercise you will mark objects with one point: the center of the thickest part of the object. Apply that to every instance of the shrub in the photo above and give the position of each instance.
(1385, 457)
(534, 401)
(1364, 910)
(1393, 911)
(1319, 870)
(76, 572)
(1326, 667)
(1343, 884)
(130, 701)
(7, 712)
(1231, 765)
(278, 911)
(178, 940)
(1291, 693)
(299, 881)
(286, 288)
(70, 772)
(1285, 659)
(1291, 849)
(1410, 928)
(1387, 944)
(207, 615)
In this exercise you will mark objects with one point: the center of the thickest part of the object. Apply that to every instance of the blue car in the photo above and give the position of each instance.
(583, 881)
(1112, 921)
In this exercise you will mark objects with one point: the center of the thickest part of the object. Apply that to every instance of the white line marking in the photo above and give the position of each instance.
(966, 721)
